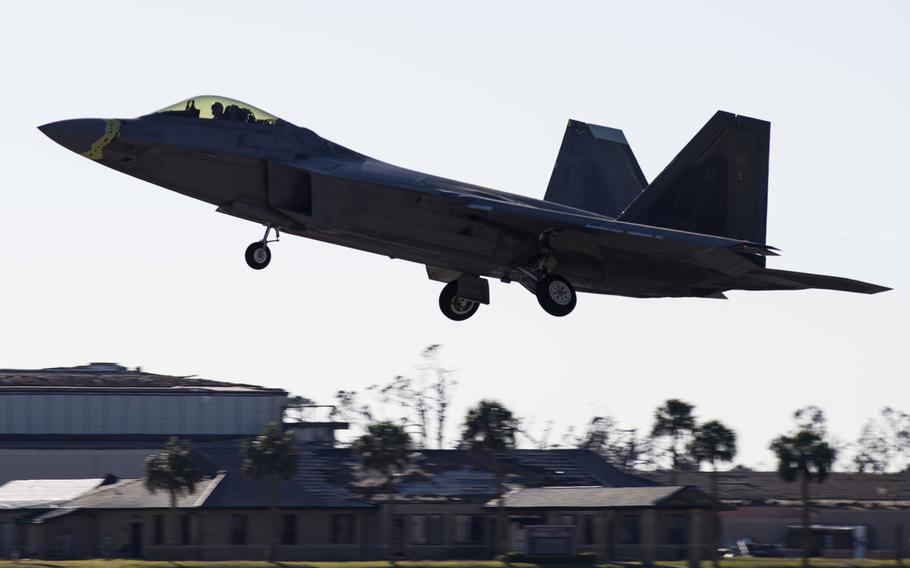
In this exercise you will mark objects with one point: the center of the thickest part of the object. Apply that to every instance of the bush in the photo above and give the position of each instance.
(583, 558)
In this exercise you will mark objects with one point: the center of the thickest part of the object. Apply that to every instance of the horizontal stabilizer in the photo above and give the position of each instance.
(717, 185)
(787, 280)
(595, 170)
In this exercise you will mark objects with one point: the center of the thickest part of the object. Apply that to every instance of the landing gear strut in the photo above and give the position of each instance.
(258, 254)
(453, 307)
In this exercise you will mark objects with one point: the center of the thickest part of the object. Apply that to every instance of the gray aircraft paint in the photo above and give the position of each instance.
(282, 175)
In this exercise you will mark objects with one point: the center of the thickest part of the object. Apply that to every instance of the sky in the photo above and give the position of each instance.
(99, 266)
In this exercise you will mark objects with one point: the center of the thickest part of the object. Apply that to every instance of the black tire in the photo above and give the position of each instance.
(556, 295)
(455, 308)
(258, 255)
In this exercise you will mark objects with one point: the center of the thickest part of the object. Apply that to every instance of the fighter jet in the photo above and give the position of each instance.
(697, 230)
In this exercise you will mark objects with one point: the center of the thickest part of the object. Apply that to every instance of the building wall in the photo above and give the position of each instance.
(102, 413)
(768, 524)
(109, 534)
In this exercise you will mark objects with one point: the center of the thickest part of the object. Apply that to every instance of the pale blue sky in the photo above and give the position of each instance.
(100, 266)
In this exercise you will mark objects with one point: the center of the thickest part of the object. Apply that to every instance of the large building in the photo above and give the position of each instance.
(106, 399)
(442, 507)
(103, 418)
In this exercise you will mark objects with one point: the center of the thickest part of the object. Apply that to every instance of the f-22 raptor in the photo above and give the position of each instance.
(697, 230)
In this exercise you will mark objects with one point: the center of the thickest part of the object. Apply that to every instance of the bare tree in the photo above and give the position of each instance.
(423, 400)
(442, 383)
(884, 443)
(350, 408)
(411, 397)
(873, 450)
(539, 441)
(622, 447)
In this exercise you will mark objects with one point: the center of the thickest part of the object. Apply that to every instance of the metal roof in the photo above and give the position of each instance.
(133, 494)
(114, 377)
(22, 493)
(599, 497)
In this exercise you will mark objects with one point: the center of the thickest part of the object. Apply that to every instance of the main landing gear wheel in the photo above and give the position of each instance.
(258, 255)
(556, 295)
(453, 307)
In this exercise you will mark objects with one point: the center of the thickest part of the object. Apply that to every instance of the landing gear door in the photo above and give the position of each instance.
(290, 190)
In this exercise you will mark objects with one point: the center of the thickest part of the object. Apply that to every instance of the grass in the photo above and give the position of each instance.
(725, 563)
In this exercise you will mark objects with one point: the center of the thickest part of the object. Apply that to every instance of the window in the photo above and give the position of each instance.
(469, 529)
(570, 520)
(158, 530)
(238, 529)
(587, 529)
(289, 529)
(426, 529)
(342, 529)
(629, 530)
(185, 530)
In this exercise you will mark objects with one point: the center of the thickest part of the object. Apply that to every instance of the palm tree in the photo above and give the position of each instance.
(804, 456)
(714, 442)
(490, 428)
(173, 471)
(271, 455)
(385, 449)
(674, 420)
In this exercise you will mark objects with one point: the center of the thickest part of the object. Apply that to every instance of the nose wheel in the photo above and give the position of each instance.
(556, 295)
(453, 307)
(258, 254)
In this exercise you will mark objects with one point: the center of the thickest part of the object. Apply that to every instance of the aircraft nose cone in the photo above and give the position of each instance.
(77, 135)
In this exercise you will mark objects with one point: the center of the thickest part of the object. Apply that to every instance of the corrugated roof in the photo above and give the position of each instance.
(103, 376)
(132, 494)
(588, 497)
(22, 493)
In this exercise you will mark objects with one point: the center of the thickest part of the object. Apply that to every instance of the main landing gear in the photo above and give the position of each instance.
(556, 295)
(461, 298)
(258, 254)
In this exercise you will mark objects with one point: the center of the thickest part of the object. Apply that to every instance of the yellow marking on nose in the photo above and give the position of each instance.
(111, 130)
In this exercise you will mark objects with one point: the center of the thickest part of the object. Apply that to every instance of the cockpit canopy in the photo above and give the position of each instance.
(212, 107)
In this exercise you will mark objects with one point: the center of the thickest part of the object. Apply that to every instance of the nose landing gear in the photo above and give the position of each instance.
(258, 254)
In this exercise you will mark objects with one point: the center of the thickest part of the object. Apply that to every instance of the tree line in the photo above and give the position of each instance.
(675, 441)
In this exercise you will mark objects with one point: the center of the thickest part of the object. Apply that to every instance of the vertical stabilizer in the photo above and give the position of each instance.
(595, 170)
(717, 184)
